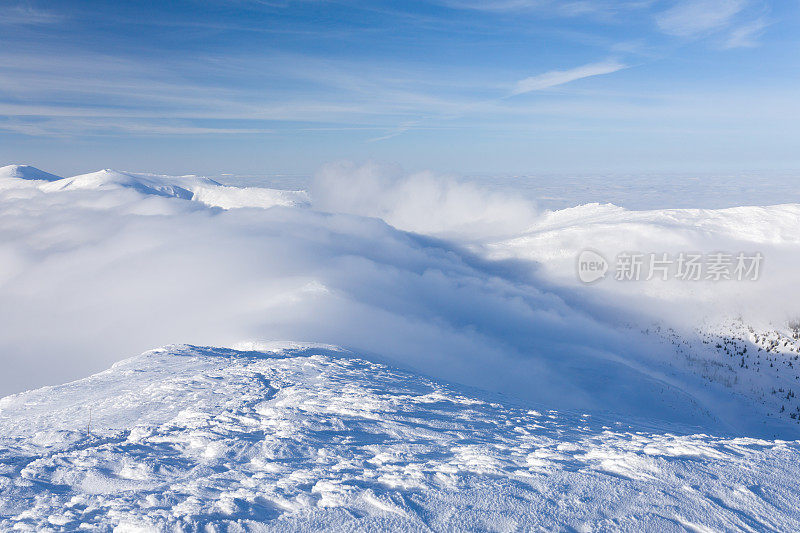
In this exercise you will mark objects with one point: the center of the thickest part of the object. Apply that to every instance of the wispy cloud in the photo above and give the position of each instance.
(500, 5)
(399, 130)
(54, 84)
(554, 78)
(746, 36)
(13, 15)
(91, 93)
(111, 126)
(690, 18)
(557, 7)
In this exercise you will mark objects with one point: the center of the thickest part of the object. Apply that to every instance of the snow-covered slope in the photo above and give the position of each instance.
(762, 365)
(111, 179)
(236, 197)
(26, 172)
(310, 438)
(200, 189)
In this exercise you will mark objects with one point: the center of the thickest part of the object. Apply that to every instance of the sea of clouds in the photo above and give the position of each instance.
(428, 272)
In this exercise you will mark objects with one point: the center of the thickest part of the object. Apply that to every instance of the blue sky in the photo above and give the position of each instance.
(469, 86)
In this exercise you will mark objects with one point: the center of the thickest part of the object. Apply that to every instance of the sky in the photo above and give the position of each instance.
(462, 86)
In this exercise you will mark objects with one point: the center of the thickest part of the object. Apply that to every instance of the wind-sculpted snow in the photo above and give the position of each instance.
(311, 438)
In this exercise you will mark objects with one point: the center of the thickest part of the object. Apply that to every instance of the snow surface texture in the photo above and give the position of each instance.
(308, 438)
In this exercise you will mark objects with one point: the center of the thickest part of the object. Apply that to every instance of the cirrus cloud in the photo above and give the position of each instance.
(554, 78)
(690, 18)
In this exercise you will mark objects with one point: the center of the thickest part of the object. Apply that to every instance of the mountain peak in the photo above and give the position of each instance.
(26, 172)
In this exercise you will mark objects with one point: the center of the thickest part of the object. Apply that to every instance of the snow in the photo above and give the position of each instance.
(25, 172)
(310, 438)
(204, 190)
(445, 368)
(110, 179)
(238, 197)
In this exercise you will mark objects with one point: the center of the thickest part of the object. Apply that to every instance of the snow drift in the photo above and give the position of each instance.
(309, 438)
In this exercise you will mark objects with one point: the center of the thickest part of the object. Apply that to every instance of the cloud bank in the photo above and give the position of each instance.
(91, 275)
(419, 270)
(420, 202)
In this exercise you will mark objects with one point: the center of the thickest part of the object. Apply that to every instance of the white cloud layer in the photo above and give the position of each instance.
(422, 202)
(109, 264)
(91, 274)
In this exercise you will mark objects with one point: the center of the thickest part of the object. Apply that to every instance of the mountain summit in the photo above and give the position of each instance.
(26, 172)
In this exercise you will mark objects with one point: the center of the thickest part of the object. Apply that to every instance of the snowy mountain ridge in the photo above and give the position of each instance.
(26, 172)
(201, 189)
(304, 438)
